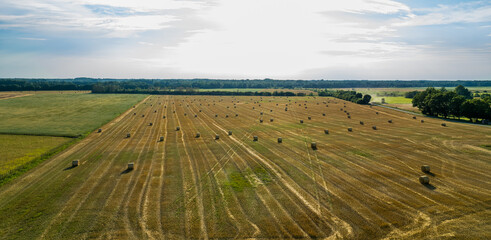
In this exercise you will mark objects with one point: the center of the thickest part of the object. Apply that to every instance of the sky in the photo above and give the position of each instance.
(246, 39)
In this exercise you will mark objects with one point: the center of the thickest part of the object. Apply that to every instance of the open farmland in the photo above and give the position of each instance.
(61, 113)
(359, 184)
(17, 150)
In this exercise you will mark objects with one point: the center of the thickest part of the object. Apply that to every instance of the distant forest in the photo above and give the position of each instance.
(149, 85)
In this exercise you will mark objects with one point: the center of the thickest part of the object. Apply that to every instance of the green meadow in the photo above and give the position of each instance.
(62, 114)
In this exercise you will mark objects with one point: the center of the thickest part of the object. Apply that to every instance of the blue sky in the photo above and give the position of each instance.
(281, 39)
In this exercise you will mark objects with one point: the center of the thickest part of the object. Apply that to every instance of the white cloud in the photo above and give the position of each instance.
(58, 15)
(280, 38)
(240, 39)
(472, 12)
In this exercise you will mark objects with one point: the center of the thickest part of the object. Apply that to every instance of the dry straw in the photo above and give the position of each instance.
(424, 179)
(425, 168)
(313, 145)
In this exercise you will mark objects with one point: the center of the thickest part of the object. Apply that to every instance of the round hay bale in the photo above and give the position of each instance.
(200, 109)
(143, 115)
(260, 120)
(349, 116)
(286, 109)
(326, 131)
(229, 132)
(301, 121)
(374, 127)
(271, 120)
(198, 135)
(414, 117)
(216, 115)
(261, 113)
(195, 115)
(75, 163)
(217, 137)
(178, 128)
(280, 140)
(255, 138)
(236, 115)
(99, 130)
(155, 111)
(324, 114)
(163, 117)
(390, 121)
(310, 118)
(226, 116)
(150, 124)
(444, 124)
(422, 121)
(313, 145)
(424, 179)
(128, 135)
(185, 114)
(350, 129)
(161, 139)
(134, 113)
(425, 168)
(362, 123)
(376, 113)
(131, 166)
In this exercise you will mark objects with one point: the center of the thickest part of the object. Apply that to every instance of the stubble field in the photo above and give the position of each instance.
(361, 184)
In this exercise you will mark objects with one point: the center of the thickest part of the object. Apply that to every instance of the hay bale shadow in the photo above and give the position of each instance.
(126, 171)
(429, 186)
(68, 168)
(430, 173)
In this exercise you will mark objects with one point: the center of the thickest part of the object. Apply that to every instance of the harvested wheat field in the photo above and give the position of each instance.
(358, 184)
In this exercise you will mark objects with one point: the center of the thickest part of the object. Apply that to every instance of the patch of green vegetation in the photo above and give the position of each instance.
(393, 100)
(69, 115)
(263, 175)
(361, 153)
(486, 146)
(20, 169)
(16, 150)
(238, 181)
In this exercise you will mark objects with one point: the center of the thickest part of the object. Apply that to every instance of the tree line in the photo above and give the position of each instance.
(458, 103)
(351, 96)
(100, 89)
(25, 84)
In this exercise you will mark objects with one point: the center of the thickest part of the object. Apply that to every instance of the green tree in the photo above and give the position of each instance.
(456, 106)
(475, 109)
(421, 100)
(462, 91)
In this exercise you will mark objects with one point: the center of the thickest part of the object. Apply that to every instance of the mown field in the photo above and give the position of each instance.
(16, 150)
(361, 184)
(61, 113)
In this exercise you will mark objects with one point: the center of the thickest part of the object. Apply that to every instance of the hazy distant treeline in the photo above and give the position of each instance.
(17, 84)
(98, 89)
